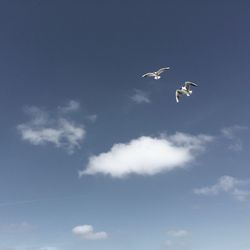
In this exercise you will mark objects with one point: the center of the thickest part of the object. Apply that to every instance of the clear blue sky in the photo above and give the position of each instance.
(92, 156)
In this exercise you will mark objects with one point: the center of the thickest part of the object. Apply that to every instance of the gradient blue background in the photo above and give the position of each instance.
(95, 52)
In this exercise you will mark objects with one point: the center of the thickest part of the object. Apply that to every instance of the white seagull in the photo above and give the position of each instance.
(184, 90)
(156, 74)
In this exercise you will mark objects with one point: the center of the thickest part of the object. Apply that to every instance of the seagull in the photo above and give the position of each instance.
(156, 74)
(184, 90)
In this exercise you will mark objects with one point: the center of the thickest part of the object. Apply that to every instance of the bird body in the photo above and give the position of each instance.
(156, 74)
(184, 90)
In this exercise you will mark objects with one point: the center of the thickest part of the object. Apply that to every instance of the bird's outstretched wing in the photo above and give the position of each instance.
(148, 75)
(187, 84)
(178, 94)
(162, 70)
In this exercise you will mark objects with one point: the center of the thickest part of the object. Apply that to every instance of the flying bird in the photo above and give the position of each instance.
(184, 90)
(156, 74)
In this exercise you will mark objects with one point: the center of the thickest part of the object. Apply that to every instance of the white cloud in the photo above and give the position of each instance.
(60, 131)
(177, 233)
(148, 155)
(226, 184)
(87, 232)
(140, 97)
(71, 106)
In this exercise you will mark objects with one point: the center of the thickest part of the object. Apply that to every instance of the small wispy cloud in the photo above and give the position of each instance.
(178, 239)
(140, 96)
(29, 248)
(234, 135)
(92, 118)
(87, 232)
(229, 185)
(148, 155)
(231, 132)
(22, 227)
(57, 129)
(47, 248)
(178, 244)
(177, 233)
(71, 106)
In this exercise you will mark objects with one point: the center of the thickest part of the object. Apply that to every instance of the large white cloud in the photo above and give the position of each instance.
(148, 155)
(227, 184)
(59, 130)
(87, 232)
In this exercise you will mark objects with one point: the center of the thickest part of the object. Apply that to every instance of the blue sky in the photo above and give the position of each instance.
(95, 157)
